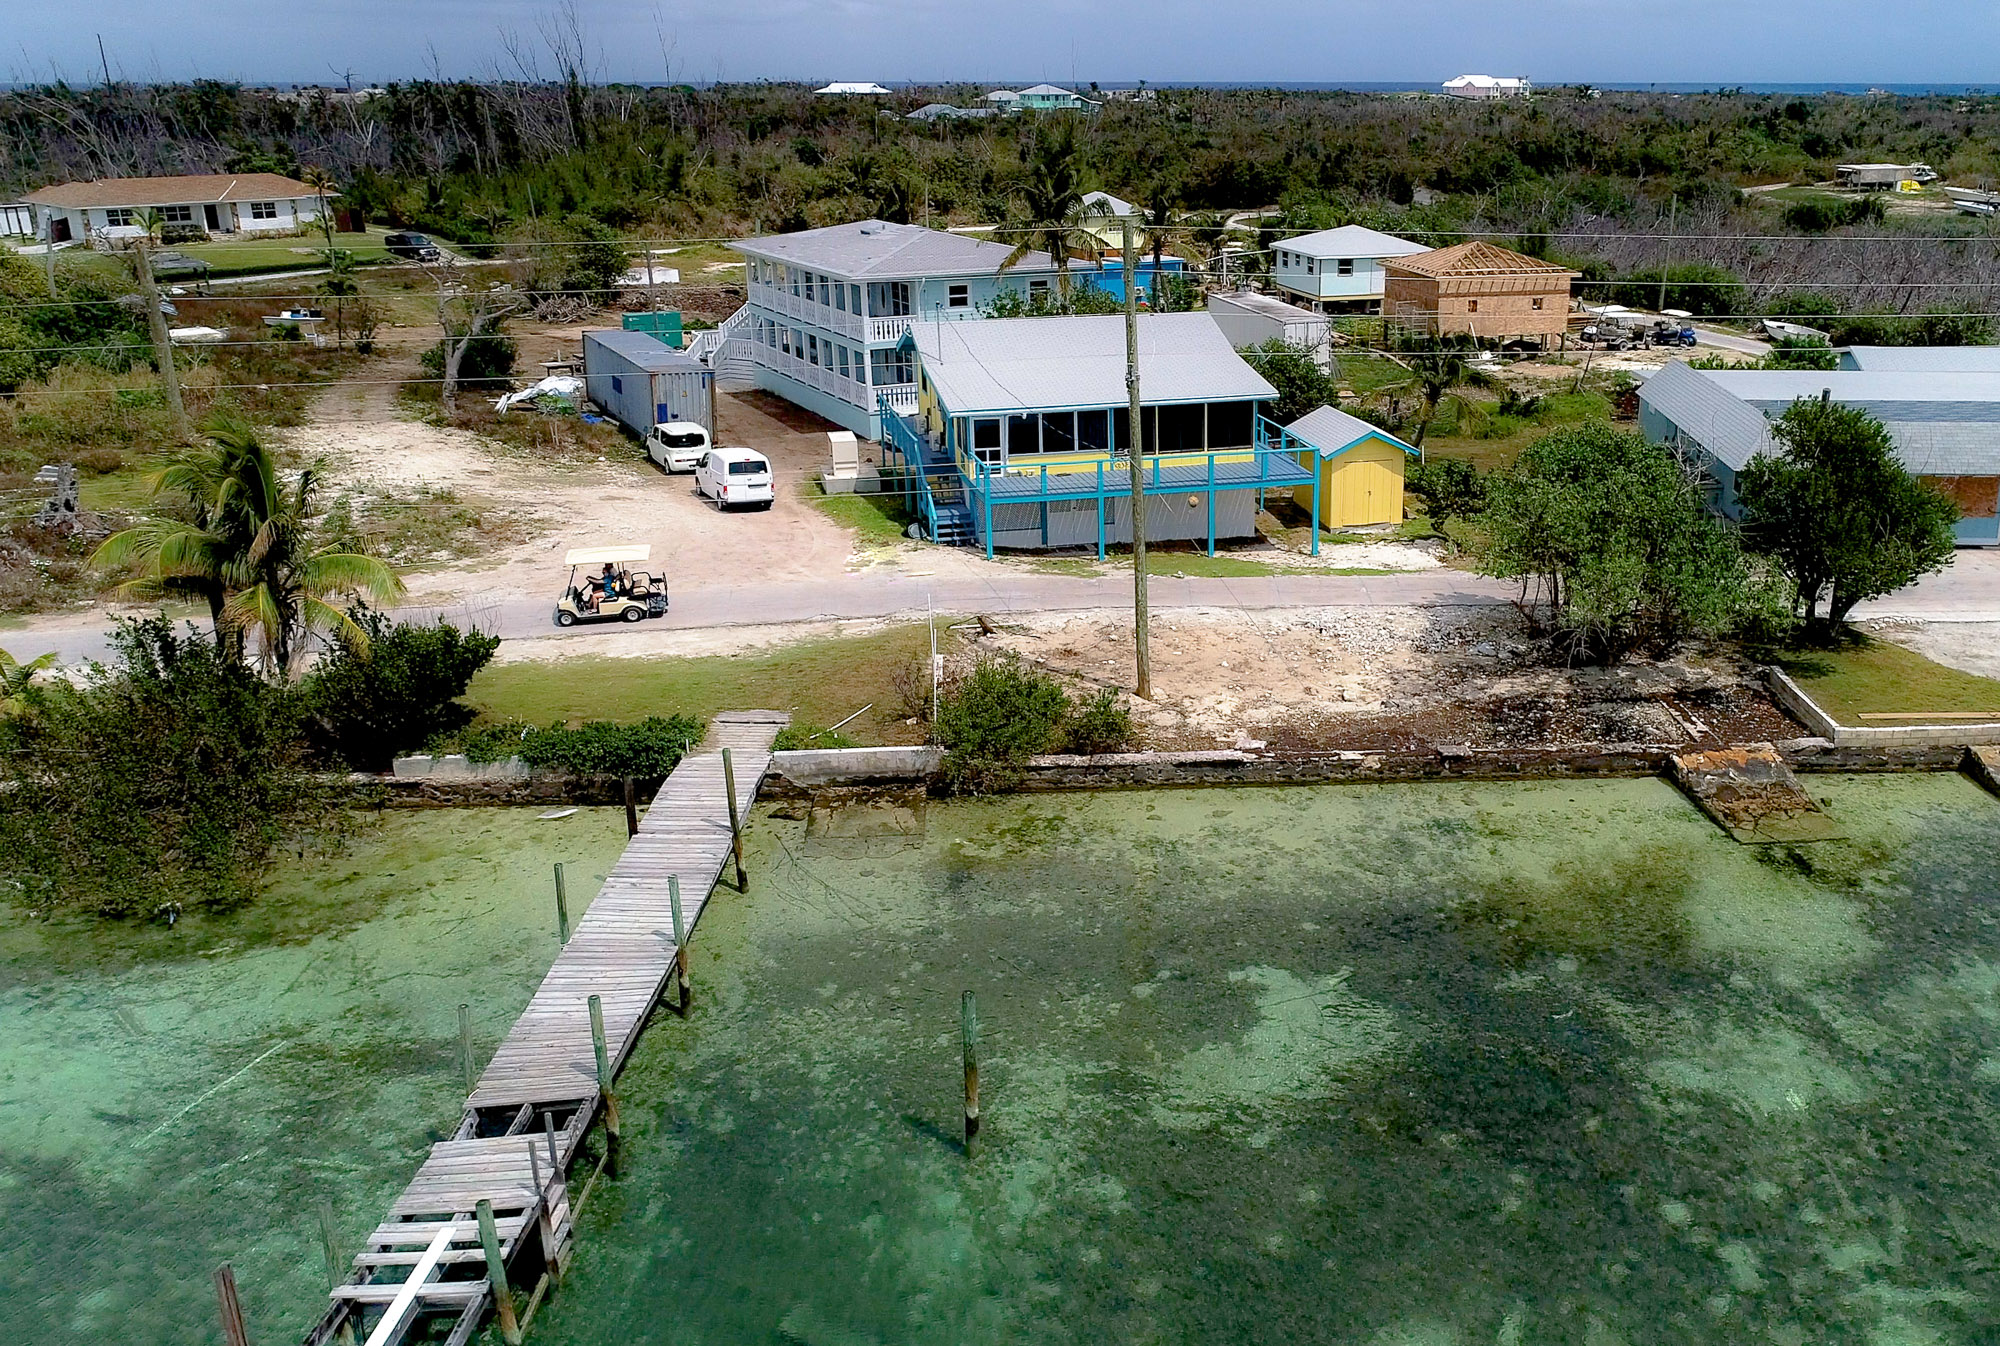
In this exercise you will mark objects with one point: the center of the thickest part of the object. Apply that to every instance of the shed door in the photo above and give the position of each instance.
(1367, 487)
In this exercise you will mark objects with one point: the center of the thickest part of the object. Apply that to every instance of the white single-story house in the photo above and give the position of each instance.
(1945, 425)
(1487, 86)
(1249, 320)
(1337, 266)
(852, 87)
(108, 210)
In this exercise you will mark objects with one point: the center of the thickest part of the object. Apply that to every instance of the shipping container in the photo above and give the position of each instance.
(640, 382)
(663, 323)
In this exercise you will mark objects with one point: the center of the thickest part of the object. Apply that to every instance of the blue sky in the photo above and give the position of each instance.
(1422, 41)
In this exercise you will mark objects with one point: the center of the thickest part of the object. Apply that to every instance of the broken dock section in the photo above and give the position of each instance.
(1753, 795)
(491, 1206)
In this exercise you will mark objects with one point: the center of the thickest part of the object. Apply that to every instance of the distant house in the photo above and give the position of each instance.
(1487, 86)
(1103, 219)
(1041, 98)
(107, 211)
(849, 87)
(1479, 290)
(828, 309)
(1360, 469)
(945, 112)
(1337, 267)
(1945, 424)
(1250, 320)
(1923, 359)
(1022, 433)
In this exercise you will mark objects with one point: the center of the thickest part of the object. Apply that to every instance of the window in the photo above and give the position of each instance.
(177, 214)
(840, 355)
(1472, 306)
(1345, 266)
(840, 297)
(1229, 424)
(986, 435)
(1182, 429)
(1538, 303)
(263, 210)
(1093, 431)
(1038, 291)
(1310, 264)
(1059, 432)
(120, 216)
(1023, 435)
(854, 298)
(812, 349)
(617, 384)
(959, 296)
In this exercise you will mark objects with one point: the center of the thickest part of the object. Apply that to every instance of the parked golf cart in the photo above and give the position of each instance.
(631, 595)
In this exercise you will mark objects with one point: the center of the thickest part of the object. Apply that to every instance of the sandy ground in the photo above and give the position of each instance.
(1971, 647)
(1385, 677)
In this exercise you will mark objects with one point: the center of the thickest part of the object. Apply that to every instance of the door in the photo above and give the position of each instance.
(213, 218)
(59, 229)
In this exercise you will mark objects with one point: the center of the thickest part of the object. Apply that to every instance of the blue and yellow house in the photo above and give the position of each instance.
(1022, 433)
(1360, 468)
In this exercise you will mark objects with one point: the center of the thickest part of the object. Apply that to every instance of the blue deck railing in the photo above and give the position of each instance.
(956, 493)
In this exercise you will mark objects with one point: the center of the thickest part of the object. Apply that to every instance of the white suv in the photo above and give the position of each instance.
(735, 476)
(677, 445)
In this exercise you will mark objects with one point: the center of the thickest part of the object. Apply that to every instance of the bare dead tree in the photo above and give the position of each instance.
(467, 313)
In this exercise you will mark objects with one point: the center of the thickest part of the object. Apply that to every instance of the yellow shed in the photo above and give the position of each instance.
(1360, 469)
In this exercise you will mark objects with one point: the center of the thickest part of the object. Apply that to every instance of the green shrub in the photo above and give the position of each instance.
(174, 778)
(798, 737)
(489, 359)
(366, 708)
(1097, 724)
(1450, 487)
(646, 750)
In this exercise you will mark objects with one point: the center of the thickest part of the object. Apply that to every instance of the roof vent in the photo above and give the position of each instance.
(873, 226)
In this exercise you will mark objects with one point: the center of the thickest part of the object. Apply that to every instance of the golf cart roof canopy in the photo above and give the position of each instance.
(590, 556)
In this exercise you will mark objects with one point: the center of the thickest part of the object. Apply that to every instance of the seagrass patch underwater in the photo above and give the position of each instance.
(1548, 1063)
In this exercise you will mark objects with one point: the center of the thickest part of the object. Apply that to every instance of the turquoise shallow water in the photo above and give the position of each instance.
(170, 1100)
(1514, 1064)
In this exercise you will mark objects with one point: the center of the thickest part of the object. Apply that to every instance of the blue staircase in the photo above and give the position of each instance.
(951, 514)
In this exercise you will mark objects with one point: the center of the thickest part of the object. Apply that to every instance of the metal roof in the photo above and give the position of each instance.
(1351, 240)
(1943, 424)
(1104, 203)
(1264, 305)
(879, 250)
(1051, 364)
(1333, 432)
(643, 349)
(1923, 359)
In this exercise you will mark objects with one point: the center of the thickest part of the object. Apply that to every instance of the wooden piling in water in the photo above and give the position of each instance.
(968, 1024)
(465, 1047)
(631, 810)
(680, 945)
(562, 906)
(496, 1275)
(735, 820)
(611, 1130)
(234, 1333)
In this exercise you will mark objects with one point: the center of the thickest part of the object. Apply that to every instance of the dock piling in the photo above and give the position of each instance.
(234, 1333)
(631, 810)
(735, 820)
(969, 1033)
(496, 1275)
(562, 906)
(465, 1047)
(680, 944)
(611, 1129)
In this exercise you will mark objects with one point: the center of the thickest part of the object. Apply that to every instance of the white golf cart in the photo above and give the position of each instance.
(608, 590)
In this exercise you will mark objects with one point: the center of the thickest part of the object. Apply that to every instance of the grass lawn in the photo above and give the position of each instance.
(237, 257)
(1365, 372)
(819, 682)
(878, 518)
(1876, 677)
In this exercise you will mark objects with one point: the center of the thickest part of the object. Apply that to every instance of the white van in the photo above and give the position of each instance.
(677, 445)
(735, 476)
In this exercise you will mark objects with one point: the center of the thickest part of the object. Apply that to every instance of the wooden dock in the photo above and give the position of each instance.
(526, 1119)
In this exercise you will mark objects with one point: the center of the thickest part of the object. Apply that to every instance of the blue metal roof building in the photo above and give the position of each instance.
(1945, 424)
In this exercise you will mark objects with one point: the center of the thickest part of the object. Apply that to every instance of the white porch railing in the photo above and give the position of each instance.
(826, 380)
(900, 398)
(810, 310)
(703, 344)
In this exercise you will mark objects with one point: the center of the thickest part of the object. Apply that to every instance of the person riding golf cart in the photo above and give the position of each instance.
(607, 591)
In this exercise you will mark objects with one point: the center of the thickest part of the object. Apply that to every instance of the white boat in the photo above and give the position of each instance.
(1790, 331)
(1974, 202)
(294, 317)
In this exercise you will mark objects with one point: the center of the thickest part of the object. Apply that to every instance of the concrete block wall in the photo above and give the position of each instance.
(1809, 713)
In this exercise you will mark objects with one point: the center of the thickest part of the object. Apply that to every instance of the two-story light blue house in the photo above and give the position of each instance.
(829, 306)
(1337, 267)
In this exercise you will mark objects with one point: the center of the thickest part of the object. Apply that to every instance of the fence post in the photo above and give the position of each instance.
(968, 1025)
(680, 943)
(562, 906)
(465, 1046)
(631, 810)
(234, 1333)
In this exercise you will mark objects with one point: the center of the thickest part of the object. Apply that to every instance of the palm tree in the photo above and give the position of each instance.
(1208, 235)
(340, 286)
(15, 679)
(321, 182)
(1438, 367)
(1161, 229)
(1051, 196)
(249, 541)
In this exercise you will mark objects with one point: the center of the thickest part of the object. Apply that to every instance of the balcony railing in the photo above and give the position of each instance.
(810, 310)
(813, 376)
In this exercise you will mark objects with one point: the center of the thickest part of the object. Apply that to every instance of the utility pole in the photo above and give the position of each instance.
(163, 346)
(1144, 686)
(1673, 222)
(49, 219)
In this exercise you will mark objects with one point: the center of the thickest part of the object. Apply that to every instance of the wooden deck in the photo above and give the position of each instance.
(526, 1118)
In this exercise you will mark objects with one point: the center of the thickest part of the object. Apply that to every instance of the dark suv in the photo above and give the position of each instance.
(414, 247)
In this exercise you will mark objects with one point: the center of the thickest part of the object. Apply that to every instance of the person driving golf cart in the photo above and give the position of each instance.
(613, 593)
